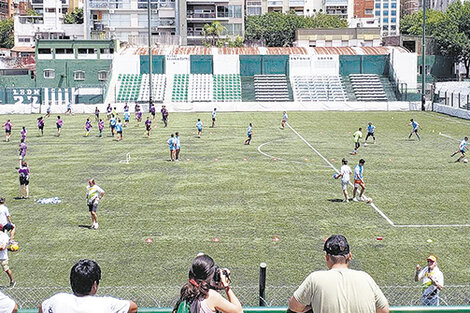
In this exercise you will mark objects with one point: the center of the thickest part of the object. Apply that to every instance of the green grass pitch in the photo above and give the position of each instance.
(226, 190)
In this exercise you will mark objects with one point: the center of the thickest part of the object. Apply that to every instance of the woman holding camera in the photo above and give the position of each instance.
(201, 293)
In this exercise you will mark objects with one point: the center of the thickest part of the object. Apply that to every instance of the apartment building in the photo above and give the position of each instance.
(388, 14)
(194, 14)
(49, 24)
(127, 20)
(301, 7)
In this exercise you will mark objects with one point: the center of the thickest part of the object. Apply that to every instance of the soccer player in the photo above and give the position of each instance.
(59, 124)
(148, 126)
(88, 127)
(284, 119)
(23, 133)
(370, 131)
(114, 112)
(178, 145)
(69, 109)
(22, 150)
(41, 125)
(138, 114)
(345, 173)
(199, 128)
(153, 111)
(127, 117)
(112, 124)
(172, 145)
(414, 129)
(94, 195)
(462, 148)
(357, 140)
(109, 109)
(5, 220)
(4, 243)
(24, 171)
(97, 114)
(359, 180)
(119, 130)
(48, 111)
(164, 112)
(249, 133)
(7, 127)
(214, 113)
(100, 127)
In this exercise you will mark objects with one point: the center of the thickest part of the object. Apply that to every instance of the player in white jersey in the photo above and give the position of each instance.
(462, 148)
(284, 119)
(214, 113)
(345, 174)
(370, 132)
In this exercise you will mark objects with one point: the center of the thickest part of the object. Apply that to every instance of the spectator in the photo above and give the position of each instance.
(85, 277)
(432, 279)
(340, 289)
(7, 305)
(4, 242)
(200, 294)
(94, 194)
(5, 219)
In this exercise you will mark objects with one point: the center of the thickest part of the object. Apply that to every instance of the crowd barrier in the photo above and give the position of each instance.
(398, 309)
(457, 112)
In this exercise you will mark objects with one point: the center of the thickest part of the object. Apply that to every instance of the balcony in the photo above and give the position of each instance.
(166, 24)
(275, 3)
(296, 3)
(31, 19)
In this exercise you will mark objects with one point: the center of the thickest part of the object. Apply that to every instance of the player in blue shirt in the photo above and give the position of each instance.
(127, 117)
(370, 131)
(284, 120)
(199, 128)
(112, 124)
(119, 130)
(178, 145)
(172, 145)
(249, 133)
(462, 148)
(414, 129)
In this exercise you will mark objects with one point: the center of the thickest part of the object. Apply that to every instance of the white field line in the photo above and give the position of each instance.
(447, 136)
(128, 158)
(372, 204)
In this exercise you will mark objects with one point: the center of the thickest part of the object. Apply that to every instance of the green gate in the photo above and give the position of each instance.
(158, 64)
(250, 65)
(201, 64)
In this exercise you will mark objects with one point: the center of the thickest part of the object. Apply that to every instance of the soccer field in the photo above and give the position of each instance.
(273, 201)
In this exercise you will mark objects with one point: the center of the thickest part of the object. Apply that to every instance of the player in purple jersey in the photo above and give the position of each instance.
(100, 127)
(41, 125)
(22, 150)
(164, 112)
(148, 126)
(153, 111)
(88, 127)
(7, 127)
(59, 124)
(24, 171)
(23, 133)
(109, 109)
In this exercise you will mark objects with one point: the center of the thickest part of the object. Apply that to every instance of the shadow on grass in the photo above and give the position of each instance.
(335, 200)
(85, 226)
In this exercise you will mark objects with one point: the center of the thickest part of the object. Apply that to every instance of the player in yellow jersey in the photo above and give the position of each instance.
(357, 138)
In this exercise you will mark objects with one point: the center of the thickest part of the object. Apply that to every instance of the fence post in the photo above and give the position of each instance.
(459, 100)
(445, 96)
(467, 105)
(262, 284)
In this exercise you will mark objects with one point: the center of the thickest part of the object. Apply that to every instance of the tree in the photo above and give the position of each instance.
(276, 29)
(74, 17)
(212, 32)
(450, 29)
(7, 39)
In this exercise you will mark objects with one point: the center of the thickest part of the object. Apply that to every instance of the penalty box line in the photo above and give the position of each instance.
(371, 204)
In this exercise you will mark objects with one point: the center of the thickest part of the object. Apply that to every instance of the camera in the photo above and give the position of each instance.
(218, 271)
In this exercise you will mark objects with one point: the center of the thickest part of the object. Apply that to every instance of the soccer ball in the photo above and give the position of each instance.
(465, 160)
(13, 247)
(335, 176)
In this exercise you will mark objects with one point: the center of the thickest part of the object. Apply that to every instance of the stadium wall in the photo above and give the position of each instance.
(453, 111)
(401, 64)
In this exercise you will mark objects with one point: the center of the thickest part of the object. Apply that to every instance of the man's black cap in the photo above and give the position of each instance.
(336, 245)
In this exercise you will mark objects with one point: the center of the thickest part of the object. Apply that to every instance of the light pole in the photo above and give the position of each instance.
(423, 56)
(149, 13)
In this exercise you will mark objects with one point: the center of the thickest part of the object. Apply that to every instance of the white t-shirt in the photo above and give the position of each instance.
(4, 239)
(436, 274)
(68, 303)
(4, 213)
(6, 304)
(346, 171)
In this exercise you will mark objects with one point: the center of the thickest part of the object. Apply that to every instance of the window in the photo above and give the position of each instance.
(235, 11)
(86, 51)
(107, 50)
(377, 5)
(49, 74)
(394, 13)
(222, 11)
(394, 5)
(386, 13)
(385, 20)
(393, 20)
(385, 5)
(50, 10)
(44, 51)
(393, 27)
(253, 11)
(377, 13)
(79, 75)
(385, 27)
(20, 39)
(63, 51)
(369, 11)
(103, 75)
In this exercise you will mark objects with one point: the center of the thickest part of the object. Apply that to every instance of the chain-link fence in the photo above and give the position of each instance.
(155, 296)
